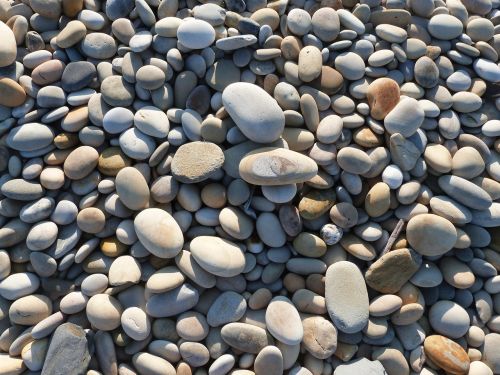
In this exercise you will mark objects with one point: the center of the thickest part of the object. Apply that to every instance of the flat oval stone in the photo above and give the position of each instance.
(354, 160)
(446, 354)
(136, 144)
(165, 279)
(117, 92)
(350, 65)
(135, 323)
(195, 34)
(310, 63)
(326, 24)
(150, 364)
(173, 302)
(99, 46)
(81, 162)
(218, 256)
(72, 33)
(22, 190)
(19, 285)
(244, 337)
(431, 235)
(487, 70)
(159, 232)
(283, 321)
(30, 137)
(12, 93)
(269, 361)
(445, 27)
(196, 161)
(465, 192)
(385, 304)
(392, 270)
(152, 121)
(104, 311)
(227, 308)
(261, 119)
(236, 223)
(276, 166)
(132, 188)
(8, 52)
(451, 210)
(78, 75)
(30, 310)
(346, 297)
(449, 318)
(490, 352)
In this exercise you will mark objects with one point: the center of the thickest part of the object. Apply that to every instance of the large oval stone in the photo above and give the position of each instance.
(276, 166)
(259, 119)
(392, 270)
(283, 321)
(446, 354)
(346, 297)
(173, 302)
(218, 256)
(8, 51)
(430, 234)
(245, 337)
(132, 188)
(158, 231)
(30, 137)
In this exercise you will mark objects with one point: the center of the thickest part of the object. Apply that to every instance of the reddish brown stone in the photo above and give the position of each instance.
(382, 96)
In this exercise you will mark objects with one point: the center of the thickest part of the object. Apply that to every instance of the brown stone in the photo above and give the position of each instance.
(11, 93)
(447, 354)
(112, 160)
(330, 81)
(378, 199)
(48, 72)
(315, 203)
(80, 162)
(382, 96)
(72, 7)
(389, 273)
(111, 247)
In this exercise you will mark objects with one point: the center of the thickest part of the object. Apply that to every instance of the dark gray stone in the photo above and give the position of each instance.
(78, 75)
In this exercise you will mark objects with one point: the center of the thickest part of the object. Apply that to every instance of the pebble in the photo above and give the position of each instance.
(405, 118)
(227, 308)
(449, 319)
(276, 166)
(104, 312)
(68, 351)
(392, 270)
(195, 34)
(132, 188)
(382, 95)
(430, 234)
(446, 354)
(346, 297)
(445, 27)
(260, 120)
(249, 188)
(244, 337)
(158, 232)
(197, 161)
(8, 51)
(283, 321)
(227, 261)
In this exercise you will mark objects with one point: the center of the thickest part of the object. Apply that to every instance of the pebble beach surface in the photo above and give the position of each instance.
(249, 187)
